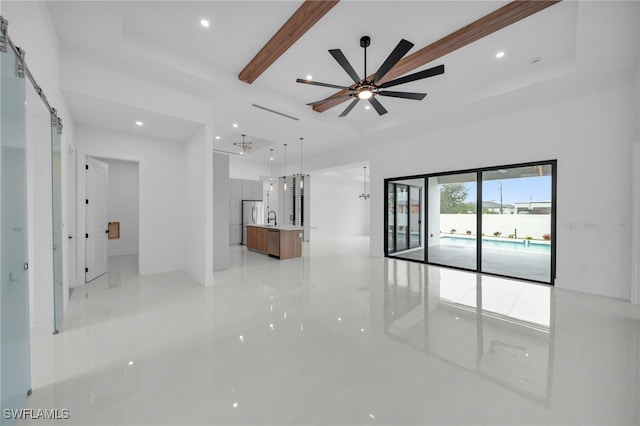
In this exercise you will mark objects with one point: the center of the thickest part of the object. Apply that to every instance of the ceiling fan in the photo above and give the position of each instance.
(368, 89)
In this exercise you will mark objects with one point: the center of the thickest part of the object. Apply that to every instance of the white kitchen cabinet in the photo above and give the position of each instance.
(252, 190)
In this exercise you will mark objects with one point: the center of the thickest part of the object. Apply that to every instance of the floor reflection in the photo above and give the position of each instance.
(500, 329)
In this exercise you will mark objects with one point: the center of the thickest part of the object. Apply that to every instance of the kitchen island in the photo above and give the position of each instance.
(283, 242)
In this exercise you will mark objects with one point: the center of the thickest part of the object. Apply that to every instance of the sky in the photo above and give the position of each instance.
(536, 188)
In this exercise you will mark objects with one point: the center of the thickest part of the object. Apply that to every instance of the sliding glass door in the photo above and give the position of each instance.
(405, 231)
(496, 220)
(415, 217)
(402, 217)
(452, 220)
(516, 221)
(15, 364)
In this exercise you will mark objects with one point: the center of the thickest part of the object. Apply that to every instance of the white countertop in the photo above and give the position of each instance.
(280, 227)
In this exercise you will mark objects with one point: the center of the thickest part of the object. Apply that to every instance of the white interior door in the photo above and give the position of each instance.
(97, 259)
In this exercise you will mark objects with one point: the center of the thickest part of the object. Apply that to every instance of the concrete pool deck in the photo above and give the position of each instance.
(518, 264)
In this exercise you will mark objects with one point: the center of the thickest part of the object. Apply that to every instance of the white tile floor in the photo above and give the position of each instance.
(337, 338)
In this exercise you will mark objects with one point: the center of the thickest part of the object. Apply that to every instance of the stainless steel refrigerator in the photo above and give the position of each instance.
(252, 214)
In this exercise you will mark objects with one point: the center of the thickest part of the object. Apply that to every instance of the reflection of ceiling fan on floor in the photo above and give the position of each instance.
(369, 89)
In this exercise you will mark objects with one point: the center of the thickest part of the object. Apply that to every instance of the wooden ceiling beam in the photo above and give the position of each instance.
(489, 24)
(310, 12)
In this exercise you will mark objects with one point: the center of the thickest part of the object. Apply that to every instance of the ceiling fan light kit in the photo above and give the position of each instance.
(364, 89)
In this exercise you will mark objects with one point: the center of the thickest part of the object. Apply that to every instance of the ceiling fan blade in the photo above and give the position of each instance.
(328, 99)
(401, 49)
(413, 77)
(342, 60)
(378, 106)
(350, 107)
(317, 83)
(403, 95)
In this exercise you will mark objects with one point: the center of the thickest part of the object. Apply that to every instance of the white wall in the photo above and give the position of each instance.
(162, 194)
(123, 205)
(194, 225)
(590, 137)
(336, 210)
(243, 168)
(635, 229)
(30, 28)
(220, 194)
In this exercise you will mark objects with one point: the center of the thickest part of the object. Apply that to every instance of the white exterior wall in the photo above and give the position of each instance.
(534, 226)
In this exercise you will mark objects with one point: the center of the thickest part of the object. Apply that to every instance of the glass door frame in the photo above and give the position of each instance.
(479, 171)
(395, 183)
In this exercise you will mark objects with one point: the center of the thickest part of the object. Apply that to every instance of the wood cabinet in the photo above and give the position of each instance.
(280, 243)
(290, 244)
(257, 238)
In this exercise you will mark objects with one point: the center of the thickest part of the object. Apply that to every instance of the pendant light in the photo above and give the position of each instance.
(301, 175)
(285, 166)
(271, 170)
(364, 194)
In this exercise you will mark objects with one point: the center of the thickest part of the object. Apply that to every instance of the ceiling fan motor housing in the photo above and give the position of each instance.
(365, 41)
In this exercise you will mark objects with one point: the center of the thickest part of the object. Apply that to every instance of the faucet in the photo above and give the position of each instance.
(275, 222)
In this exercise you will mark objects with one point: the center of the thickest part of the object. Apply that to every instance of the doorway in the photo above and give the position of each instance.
(112, 219)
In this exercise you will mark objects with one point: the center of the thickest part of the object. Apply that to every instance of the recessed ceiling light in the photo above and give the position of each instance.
(309, 77)
(367, 107)
(241, 153)
(205, 23)
(218, 137)
(499, 54)
(139, 123)
(235, 125)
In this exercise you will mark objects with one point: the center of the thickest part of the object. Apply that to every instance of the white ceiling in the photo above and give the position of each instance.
(163, 42)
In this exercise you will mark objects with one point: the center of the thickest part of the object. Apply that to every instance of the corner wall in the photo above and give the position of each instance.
(220, 216)
(194, 223)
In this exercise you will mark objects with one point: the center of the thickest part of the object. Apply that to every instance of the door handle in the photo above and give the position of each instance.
(106, 231)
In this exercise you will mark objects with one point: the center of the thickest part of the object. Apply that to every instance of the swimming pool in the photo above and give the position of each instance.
(526, 246)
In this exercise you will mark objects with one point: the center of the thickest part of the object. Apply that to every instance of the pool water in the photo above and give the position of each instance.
(526, 246)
